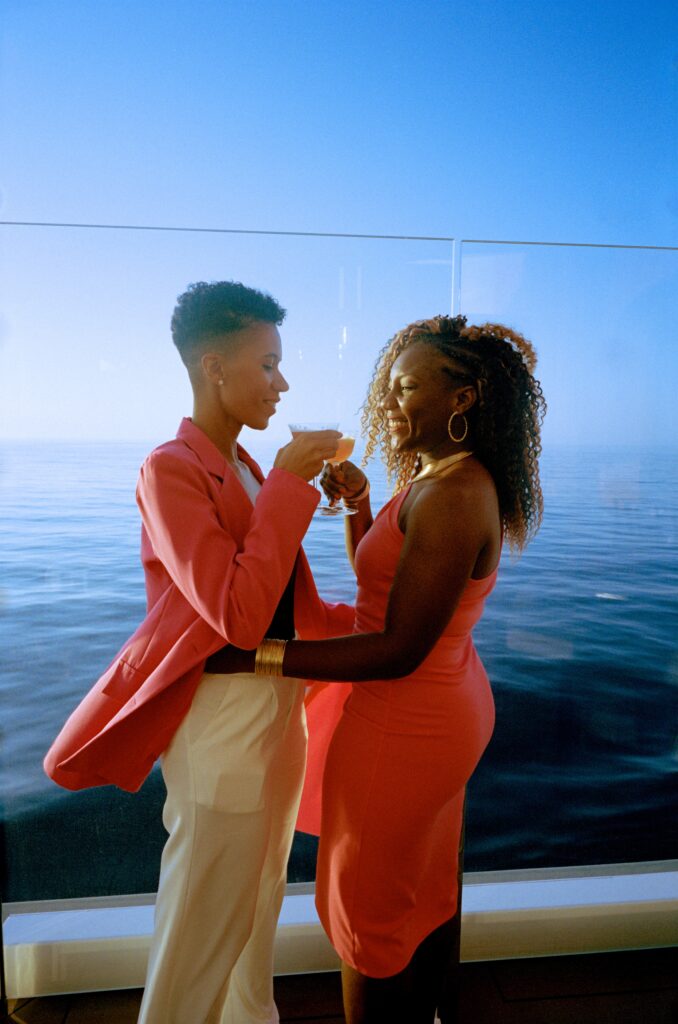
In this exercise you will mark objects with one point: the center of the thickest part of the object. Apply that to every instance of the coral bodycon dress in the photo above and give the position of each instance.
(394, 757)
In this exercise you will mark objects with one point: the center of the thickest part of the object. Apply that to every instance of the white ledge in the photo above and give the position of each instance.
(102, 944)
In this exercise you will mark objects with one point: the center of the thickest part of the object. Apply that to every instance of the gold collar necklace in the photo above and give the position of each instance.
(436, 468)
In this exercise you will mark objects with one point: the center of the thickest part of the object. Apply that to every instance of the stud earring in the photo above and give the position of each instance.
(220, 382)
(457, 440)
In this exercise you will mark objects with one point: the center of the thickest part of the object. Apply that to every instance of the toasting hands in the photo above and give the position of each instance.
(344, 480)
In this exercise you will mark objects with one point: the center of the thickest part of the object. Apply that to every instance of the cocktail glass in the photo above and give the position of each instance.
(344, 449)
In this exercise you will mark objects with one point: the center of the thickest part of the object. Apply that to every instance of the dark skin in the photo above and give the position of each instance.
(452, 532)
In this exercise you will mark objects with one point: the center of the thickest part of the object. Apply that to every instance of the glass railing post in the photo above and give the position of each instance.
(456, 277)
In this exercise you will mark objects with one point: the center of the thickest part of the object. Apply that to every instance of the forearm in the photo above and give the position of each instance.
(356, 526)
(354, 658)
(349, 658)
(349, 484)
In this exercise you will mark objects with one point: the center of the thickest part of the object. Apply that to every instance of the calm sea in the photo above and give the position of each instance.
(579, 640)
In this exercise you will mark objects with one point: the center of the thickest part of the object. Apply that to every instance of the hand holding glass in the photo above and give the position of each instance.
(344, 449)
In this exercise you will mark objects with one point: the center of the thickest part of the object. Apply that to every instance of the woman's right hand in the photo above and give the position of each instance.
(305, 454)
(342, 480)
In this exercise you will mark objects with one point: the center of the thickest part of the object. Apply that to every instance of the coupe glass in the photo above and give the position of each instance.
(344, 450)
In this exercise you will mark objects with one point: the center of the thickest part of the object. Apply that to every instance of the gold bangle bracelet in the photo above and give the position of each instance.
(268, 660)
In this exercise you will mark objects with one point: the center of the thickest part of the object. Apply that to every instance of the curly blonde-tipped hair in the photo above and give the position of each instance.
(504, 423)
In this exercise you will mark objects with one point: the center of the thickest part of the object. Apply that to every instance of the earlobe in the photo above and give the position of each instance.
(212, 368)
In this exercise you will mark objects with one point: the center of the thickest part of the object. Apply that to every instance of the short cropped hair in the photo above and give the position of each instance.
(205, 312)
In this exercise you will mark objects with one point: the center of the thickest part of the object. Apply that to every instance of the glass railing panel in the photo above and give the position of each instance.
(579, 636)
(89, 382)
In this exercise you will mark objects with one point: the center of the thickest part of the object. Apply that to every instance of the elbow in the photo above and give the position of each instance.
(409, 663)
(401, 661)
(403, 652)
(244, 624)
(245, 635)
(246, 641)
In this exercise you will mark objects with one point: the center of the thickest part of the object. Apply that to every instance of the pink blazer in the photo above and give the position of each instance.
(216, 567)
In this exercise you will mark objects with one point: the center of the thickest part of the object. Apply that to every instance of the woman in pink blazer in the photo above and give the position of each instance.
(223, 565)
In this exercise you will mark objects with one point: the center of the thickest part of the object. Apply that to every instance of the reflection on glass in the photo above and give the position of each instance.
(578, 640)
(72, 586)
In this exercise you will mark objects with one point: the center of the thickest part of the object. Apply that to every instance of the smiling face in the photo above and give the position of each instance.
(249, 365)
(421, 399)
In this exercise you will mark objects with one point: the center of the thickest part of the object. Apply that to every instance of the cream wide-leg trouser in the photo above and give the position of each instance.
(234, 772)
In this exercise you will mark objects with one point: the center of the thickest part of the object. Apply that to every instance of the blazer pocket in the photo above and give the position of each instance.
(149, 644)
(123, 683)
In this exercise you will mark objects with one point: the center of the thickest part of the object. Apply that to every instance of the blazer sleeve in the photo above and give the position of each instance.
(233, 587)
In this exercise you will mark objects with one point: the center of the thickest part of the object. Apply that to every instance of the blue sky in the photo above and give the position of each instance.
(494, 120)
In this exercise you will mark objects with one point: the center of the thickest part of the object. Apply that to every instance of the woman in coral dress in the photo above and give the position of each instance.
(457, 413)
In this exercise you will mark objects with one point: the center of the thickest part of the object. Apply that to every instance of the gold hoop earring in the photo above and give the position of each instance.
(457, 440)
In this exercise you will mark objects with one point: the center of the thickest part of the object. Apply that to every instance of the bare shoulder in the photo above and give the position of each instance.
(466, 492)
(463, 505)
(470, 480)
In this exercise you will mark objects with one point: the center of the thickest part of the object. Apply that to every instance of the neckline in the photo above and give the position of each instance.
(435, 469)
